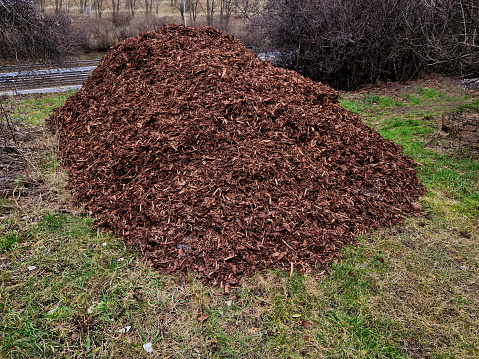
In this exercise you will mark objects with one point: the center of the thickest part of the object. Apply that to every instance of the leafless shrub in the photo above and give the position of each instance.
(95, 34)
(27, 34)
(141, 23)
(349, 43)
(250, 34)
(121, 18)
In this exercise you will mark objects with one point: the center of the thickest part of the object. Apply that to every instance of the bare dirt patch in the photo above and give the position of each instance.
(459, 131)
(446, 85)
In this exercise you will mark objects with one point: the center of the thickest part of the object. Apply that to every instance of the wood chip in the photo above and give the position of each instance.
(202, 318)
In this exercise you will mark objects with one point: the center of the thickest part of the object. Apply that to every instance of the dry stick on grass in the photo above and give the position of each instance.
(16, 201)
(7, 119)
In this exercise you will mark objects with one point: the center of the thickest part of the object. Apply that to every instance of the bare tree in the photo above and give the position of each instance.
(58, 5)
(211, 8)
(83, 5)
(98, 7)
(131, 6)
(115, 7)
(183, 6)
(226, 10)
(148, 6)
(250, 10)
(40, 5)
(193, 10)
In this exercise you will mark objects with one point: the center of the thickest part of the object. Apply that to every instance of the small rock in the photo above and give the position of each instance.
(148, 347)
(125, 329)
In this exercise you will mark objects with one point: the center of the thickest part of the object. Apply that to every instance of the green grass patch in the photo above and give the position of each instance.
(34, 109)
(428, 93)
(368, 102)
(380, 101)
(422, 94)
(464, 107)
(9, 241)
(412, 99)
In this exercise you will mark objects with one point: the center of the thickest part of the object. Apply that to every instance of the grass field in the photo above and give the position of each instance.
(412, 291)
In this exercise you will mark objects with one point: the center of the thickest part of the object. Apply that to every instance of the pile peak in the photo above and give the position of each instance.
(186, 144)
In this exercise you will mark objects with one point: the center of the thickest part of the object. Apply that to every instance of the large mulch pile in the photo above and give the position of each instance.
(209, 159)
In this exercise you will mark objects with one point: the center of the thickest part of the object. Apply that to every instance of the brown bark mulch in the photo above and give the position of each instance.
(186, 144)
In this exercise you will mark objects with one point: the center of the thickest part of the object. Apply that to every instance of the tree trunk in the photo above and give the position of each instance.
(208, 12)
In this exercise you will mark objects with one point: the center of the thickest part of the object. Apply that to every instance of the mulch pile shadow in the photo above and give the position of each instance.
(186, 144)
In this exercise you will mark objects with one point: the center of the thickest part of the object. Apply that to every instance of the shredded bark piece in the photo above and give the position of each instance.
(186, 144)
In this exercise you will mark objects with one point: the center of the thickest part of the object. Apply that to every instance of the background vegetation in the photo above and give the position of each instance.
(345, 43)
(350, 43)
